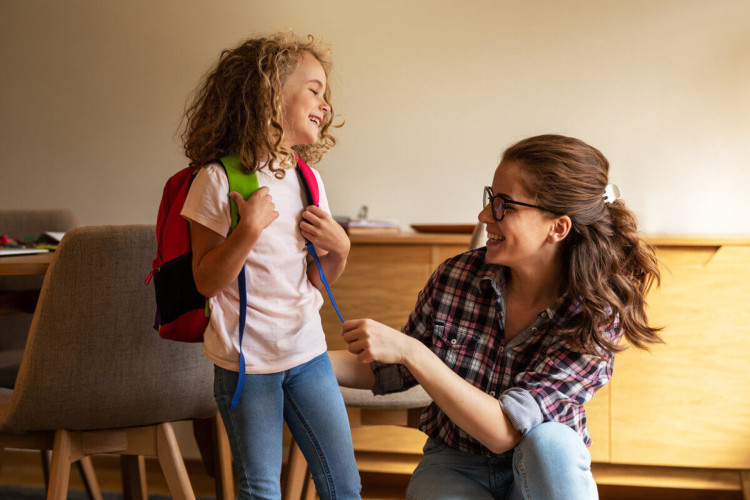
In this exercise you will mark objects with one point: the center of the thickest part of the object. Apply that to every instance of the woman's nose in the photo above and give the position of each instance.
(484, 215)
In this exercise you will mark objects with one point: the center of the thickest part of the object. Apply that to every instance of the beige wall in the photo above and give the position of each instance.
(91, 93)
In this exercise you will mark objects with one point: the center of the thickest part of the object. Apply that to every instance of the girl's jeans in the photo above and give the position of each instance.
(307, 397)
(549, 463)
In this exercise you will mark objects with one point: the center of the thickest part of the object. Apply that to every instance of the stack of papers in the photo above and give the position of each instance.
(367, 226)
(6, 252)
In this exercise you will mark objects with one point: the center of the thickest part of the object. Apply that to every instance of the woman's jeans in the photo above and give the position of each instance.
(308, 398)
(549, 463)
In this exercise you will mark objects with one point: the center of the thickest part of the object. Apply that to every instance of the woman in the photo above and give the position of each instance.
(511, 340)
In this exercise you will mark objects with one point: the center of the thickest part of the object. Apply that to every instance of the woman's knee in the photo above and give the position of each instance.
(552, 441)
(552, 462)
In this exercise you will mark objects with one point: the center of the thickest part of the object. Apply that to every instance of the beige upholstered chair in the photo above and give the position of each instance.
(95, 376)
(18, 294)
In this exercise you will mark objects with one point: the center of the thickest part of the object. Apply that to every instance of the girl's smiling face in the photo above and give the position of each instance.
(303, 104)
(522, 237)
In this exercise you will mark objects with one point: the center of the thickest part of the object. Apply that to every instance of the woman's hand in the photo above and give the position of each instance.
(373, 341)
(324, 232)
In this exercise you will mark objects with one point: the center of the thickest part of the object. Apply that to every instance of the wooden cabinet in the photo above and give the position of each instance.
(383, 276)
(677, 416)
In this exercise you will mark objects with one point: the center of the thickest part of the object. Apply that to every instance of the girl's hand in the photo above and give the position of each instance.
(324, 232)
(373, 341)
(258, 212)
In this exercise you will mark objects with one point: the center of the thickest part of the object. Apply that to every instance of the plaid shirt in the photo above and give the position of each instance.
(535, 376)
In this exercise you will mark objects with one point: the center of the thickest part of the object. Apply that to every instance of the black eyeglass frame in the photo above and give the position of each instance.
(489, 199)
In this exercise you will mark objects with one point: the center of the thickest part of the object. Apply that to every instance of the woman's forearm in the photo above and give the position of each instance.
(350, 372)
(474, 411)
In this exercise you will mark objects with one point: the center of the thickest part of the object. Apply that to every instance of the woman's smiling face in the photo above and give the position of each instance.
(519, 238)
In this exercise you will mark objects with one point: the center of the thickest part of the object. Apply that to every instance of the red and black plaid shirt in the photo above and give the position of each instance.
(535, 376)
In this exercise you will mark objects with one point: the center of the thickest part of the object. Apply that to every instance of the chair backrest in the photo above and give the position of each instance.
(92, 359)
(20, 224)
(478, 236)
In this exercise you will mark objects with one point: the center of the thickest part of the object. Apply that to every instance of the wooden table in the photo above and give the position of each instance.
(26, 265)
(12, 302)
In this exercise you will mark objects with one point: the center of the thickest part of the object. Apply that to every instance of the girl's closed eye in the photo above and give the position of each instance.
(315, 92)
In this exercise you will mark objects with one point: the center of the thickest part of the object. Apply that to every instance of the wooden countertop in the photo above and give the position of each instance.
(409, 238)
(660, 240)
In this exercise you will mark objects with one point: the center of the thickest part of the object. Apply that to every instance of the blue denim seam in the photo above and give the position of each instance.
(518, 464)
(316, 445)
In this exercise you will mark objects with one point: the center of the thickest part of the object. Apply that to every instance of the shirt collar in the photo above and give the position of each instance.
(492, 273)
(562, 309)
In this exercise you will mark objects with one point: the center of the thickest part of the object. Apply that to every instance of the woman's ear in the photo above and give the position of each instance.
(559, 229)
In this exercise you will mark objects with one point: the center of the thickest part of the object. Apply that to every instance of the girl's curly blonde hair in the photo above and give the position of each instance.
(237, 108)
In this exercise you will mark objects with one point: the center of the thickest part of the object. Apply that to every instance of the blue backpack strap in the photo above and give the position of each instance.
(243, 315)
(311, 250)
(307, 176)
(245, 184)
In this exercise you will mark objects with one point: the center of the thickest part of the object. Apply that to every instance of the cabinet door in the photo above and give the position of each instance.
(687, 402)
(380, 282)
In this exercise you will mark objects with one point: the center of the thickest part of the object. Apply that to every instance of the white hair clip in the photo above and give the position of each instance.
(611, 193)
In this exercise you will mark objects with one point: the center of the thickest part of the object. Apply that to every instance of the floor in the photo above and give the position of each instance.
(24, 469)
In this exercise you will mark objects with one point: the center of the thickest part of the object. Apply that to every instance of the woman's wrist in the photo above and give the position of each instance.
(412, 351)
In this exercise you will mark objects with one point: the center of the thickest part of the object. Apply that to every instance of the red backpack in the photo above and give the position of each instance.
(181, 311)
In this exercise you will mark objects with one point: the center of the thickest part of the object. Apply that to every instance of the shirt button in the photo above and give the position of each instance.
(492, 394)
(544, 314)
(453, 341)
(533, 328)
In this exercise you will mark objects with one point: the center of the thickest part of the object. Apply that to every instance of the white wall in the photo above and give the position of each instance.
(92, 91)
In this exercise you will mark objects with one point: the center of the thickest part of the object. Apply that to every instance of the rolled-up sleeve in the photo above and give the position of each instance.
(555, 389)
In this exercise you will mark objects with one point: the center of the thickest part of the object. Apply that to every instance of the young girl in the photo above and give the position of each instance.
(511, 340)
(265, 101)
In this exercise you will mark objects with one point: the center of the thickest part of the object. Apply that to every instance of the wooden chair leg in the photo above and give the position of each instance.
(59, 477)
(133, 470)
(172, 463)
(745, 480)
(310, 493)
(86, 469)
(296, 473)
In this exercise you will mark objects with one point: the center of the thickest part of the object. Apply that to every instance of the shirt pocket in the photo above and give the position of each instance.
(453, 341)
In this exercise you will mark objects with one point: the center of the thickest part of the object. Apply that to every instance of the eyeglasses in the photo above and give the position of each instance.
(500, 203)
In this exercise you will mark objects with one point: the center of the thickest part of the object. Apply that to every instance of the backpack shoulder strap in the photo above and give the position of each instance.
(240, 181)
(309, 181)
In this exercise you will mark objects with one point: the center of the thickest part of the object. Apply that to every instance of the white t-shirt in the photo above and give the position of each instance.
(282, 327)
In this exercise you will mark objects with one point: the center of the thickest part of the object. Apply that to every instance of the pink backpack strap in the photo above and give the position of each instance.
(311, 183)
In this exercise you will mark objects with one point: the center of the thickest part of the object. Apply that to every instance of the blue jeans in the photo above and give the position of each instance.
(550, 462)
(308, 398)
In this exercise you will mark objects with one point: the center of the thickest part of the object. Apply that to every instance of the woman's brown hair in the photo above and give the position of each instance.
(610, 268)
(237, 108)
